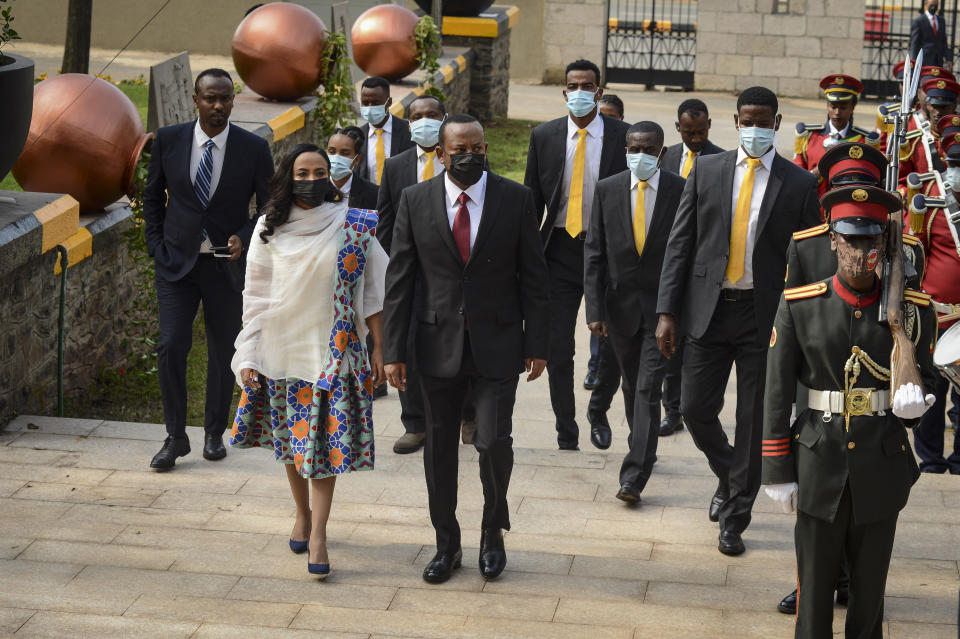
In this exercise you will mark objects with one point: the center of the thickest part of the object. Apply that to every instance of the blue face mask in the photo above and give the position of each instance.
(374, 114)
(643, 165)
(580, 103)
(425, 132)
(340, 166)
(756, 140)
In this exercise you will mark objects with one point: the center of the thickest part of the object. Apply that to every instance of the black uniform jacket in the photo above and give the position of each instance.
(620, 286)
(500, 294)
(363, 194)
(671, 159)
(810, 258)
(812, 340)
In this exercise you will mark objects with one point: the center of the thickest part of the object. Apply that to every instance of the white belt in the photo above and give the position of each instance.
(944, 309)
(860, 401)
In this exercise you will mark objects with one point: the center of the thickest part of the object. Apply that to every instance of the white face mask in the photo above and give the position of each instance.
(951, 178)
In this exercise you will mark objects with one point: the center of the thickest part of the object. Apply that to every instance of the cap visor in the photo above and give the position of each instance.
(857, 226)
(939, 101)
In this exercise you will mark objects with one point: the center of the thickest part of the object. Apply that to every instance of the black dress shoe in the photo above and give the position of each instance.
(670, 424)
(568, 447)
(731, 543)
(599, 430)
(843, 592)
(590, 381)
(788, 605)
(442, 566)
(380, 391)
(629, 493)
(716, 502)
(173, 447)
(213, 447)
(493, 558)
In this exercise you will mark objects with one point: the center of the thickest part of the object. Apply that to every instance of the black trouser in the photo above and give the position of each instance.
(565, 262)
(412, 412)
(928, 435)
(732, 337)
(672, 382)
(178, 302)
(608, 379)
(821, 546)
(444, 400)
(642, 366)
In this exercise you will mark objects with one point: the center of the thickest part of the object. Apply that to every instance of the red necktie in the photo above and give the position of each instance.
(461, 228)
(933, 21)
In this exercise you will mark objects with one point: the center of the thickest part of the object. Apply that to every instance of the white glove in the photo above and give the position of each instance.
(909, 402)
(783, 494)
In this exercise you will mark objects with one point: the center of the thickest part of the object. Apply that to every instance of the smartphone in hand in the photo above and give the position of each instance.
(221, 251)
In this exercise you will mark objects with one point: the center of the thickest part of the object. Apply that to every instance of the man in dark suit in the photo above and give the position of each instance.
(693, 125)
(567, 157)
(929, 33)
(722, 278)
(196, 204)
(386, 134)
(633, 213)
(470, 237)
(345, 150)
(412, 166)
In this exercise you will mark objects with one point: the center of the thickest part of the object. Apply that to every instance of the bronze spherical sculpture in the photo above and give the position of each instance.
(383, 41)
(278, 50)
(85, 139)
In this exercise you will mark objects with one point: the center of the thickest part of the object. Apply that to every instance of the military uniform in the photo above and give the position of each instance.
(813, 141)
(848, 452)
(887, 110)
(920, 154)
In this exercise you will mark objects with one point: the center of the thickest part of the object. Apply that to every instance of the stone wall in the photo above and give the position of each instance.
(572, 29)
(486, 90)
(741, 43)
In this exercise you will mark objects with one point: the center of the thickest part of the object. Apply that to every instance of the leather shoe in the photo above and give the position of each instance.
(173, 447)
(213, 447)
(409, 443)
(731, 543)
(599, 430)
(722, 495)
(590, 381)
(442, 566)
(670, 424)
(467, 432)
(493, 558)
(380, 391)
(843, 592)
(629, 493)
(788, 605)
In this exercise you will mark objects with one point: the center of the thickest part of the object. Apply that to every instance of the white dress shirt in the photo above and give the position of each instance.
(475, 196)
(649, 198)
(591, 168)
(372, 146)
(832, 131)
(345, 189)
(683, 158)
(761, 176)
(932, 19)
(422, 163)
(196, 153)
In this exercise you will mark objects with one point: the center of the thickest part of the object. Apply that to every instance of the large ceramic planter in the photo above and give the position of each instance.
(16, 107)
(458, 8)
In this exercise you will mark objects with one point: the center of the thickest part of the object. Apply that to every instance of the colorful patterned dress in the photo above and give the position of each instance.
(325, 426)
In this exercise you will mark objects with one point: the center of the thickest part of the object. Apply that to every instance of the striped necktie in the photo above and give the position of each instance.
(201, 185)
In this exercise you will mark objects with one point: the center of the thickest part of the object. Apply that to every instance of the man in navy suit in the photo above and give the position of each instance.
(928, 32)
(196, 203)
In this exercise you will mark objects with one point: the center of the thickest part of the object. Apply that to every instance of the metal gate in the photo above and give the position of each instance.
(886, 40)
(651, 42)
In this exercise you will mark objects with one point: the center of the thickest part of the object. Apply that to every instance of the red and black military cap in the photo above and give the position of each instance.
(941, 92)
(852, 163)
(841, 88)
(859, 210)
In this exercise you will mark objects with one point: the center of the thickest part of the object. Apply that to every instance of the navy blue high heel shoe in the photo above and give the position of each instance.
(322, 571)
(299, 546)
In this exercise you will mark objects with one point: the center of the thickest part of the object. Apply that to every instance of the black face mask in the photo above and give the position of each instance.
(311, 192)
(932, 9)
(466, 168)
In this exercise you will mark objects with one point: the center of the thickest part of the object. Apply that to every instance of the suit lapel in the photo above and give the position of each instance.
(663, 196)
(770, 194)
(183, 150)
(624, 195)
(610, 145)
(438, 195)
(491, 205)
(726, 189)
(410, 170)
(231, 164)
(556, 155)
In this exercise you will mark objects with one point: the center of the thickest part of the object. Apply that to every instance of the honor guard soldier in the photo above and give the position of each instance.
(845, 464)
(931, 220)
(931, 183)
(887, 110)
(841, 93)
(920, 151)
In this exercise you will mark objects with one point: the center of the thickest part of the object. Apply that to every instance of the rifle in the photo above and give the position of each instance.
(903, 357)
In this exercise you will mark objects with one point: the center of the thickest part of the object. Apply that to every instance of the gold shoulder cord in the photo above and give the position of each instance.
(851, 372)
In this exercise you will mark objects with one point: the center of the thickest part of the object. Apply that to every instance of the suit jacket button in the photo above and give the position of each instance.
(903, 447)
(851, 445)
(460, 310)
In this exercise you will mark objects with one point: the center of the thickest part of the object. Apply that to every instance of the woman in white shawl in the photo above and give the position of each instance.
(314, 288)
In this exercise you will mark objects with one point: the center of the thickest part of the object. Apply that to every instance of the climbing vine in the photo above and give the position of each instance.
(336, 96)
(426, 35)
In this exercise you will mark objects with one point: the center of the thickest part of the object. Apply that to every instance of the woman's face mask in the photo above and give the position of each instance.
(340, 166)
(312, 193)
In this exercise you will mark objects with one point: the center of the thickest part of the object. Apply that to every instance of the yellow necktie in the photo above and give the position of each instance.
(381, 155)
(741, 221)
(574, 223)
(428, 167)
(640, 219)
(687, 164)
